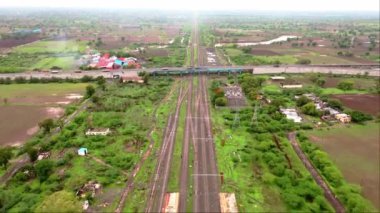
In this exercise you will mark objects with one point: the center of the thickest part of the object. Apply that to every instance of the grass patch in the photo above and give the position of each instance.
(65, 63)
(35, 90)
(336, 91)
(56, 47)
(238, 57)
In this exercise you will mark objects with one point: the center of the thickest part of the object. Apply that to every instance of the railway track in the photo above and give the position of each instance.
(160, 180)
(206, 176)
(184, 181)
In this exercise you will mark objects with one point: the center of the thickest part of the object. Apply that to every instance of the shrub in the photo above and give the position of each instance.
(303, 61)
(359, 117)
(345, 85)
(221, 101)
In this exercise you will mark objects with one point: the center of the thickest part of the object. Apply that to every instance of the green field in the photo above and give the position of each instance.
(36, 90)
(239, 58)
(336, 91)
(55, 47)
(354, 149)
(42, 55)
(65, 63)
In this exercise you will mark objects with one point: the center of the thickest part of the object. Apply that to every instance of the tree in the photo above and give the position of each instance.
(310, 109)
(221, 101)
(320, 82)
(33, 153)
(246, 50)
(5, 155)
(345, 85)
(90, 90)
(47, 125)
(359, 117)
(43, 169)
(100, 80)
(301, 101)
(303, 61)
(336, 104)
(276, 63)
(146, 78)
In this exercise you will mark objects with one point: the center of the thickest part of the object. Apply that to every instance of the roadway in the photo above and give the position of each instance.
(372, 70)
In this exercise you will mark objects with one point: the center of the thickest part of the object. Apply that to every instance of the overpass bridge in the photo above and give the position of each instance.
(200, 70)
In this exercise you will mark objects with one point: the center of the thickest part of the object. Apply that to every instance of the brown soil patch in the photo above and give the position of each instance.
(364, 103)
(19, 123)
(12, 42)
(331, 82)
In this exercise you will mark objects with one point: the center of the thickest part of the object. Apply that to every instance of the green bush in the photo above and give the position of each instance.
(221, 101)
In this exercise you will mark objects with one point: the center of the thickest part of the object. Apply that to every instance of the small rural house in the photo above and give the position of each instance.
(135, 79)
(98, 131)
(277, 78)
(292, 86)
(291, 114)
(82, 151)
(43, 155)
(343, 118)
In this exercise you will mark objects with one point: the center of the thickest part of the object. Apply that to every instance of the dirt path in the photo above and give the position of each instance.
(329, 195)
(12, 170)
(100, 161)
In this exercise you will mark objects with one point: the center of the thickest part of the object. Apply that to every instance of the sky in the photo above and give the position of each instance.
(277, 5)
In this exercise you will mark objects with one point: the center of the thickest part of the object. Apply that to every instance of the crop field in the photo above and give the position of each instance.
(52, 47)
(66, 63)
(13, 42)
(42, 55)
(332, 42)
(354, 149)
(27, 104)
(364, 103)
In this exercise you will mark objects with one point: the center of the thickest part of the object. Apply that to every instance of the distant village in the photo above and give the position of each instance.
(330, 114)
(95, 60)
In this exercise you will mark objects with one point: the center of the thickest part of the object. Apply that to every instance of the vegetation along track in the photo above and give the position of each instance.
(329, 194)
(159, 183)
(130, 182)
(185, 151)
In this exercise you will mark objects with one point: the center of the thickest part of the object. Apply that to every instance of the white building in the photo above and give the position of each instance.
(293, 86)
(277, 78)
(103, 132)
(291, 114)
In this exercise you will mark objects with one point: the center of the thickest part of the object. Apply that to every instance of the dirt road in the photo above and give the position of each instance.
(329, 195)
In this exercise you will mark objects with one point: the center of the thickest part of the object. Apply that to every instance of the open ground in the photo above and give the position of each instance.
(23, 106)
(355, 151)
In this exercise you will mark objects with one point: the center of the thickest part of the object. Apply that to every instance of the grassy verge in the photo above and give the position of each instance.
(124, 108)
(175, 169)
(137, 198)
